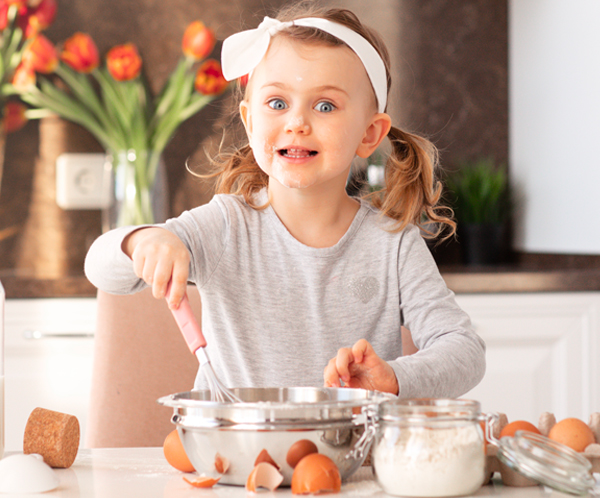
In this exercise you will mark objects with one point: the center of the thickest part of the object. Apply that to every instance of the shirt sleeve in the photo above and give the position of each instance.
(451, 356)
(108, 267)
(203, 230)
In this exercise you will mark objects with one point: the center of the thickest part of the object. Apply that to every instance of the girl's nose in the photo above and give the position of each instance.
(297, 124)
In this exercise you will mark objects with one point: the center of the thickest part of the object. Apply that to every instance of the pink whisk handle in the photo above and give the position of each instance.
(192, 333)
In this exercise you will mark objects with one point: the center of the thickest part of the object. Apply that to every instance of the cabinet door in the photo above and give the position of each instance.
(542, 353)
(48, 360)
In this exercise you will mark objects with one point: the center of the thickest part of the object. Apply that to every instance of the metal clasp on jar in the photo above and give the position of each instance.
(362, 444)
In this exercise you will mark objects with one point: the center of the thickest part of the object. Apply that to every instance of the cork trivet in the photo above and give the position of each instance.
(53, 435)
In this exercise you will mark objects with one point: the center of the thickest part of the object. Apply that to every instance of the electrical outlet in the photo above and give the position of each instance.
(83, 181)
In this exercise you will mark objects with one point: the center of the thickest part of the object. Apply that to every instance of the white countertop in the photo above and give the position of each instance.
(144, 473)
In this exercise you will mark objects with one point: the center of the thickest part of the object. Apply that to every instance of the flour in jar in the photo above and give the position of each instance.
(427, 461)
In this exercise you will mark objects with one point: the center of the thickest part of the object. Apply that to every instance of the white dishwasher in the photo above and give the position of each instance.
(48, 350)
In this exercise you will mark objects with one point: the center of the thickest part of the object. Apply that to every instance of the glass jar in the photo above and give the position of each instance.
(429, 447)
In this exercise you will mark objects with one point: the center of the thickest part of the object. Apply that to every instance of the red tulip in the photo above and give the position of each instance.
(80, 52)
(41, 55)
(243, 80)
(209, 78)
(4, 6)
(198, 41)
(41, 17)
(3, 15)
(124, 62)
(14, 117)
(24, 77)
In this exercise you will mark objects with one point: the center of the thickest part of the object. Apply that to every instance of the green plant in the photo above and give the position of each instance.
(479, 192)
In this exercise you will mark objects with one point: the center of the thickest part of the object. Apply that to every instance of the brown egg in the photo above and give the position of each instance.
(264, 456)
(316, 473)
(175, 454)
(263, 475)
(299, 450)
(518, 425)
(573, 433)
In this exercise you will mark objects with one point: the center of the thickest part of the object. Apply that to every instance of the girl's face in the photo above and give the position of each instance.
(310, 110)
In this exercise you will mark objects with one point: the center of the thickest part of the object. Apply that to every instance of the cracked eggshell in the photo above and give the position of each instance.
(221, 464)
(26, 474)
(264, 456)
(263, 475)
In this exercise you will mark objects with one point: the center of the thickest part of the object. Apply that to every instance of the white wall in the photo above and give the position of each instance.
(554, 75)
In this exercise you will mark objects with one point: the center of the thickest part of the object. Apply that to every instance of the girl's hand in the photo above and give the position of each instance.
(360, 367)
(159, 257)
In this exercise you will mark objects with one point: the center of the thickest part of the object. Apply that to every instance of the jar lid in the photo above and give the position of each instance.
(547, 462)
(430, 410)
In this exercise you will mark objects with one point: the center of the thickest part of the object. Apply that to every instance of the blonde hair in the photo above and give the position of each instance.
(411, 193)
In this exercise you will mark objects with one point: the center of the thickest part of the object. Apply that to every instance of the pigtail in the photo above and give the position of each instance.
(412, 193)
(237, 173)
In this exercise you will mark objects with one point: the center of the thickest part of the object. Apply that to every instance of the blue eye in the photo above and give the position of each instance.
(277, 104)
(325, 107)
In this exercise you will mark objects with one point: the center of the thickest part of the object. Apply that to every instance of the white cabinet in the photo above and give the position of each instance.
(543, 351)
(48, 360)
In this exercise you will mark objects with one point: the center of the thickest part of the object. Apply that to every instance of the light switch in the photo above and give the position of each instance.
(83, 181)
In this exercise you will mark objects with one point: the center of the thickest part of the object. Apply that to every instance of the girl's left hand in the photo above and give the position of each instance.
(360, 367)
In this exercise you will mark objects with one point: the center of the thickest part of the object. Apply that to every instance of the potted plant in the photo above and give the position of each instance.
(479, 194)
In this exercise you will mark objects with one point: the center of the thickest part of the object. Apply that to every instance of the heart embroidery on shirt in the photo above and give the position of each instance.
(364, 288)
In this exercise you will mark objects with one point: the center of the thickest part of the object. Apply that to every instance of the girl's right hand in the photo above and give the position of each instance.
(159, 257)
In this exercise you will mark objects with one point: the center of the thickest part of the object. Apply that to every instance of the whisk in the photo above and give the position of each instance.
(194, 338)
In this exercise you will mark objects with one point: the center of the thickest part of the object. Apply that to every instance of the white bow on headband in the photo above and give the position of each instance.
(243, 51)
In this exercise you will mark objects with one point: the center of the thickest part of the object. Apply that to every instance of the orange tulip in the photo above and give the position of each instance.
(209, 78)
(14, 117)
(24, 77)
(124, 62)
(80, 52)
(41, 55)
(198, 41)
(41, 17)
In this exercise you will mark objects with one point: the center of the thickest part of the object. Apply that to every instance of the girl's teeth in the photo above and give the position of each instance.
(296, 153)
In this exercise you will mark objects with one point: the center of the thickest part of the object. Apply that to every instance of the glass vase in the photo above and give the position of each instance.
(140, 193)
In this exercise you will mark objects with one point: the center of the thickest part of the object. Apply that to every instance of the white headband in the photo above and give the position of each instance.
(243, 51)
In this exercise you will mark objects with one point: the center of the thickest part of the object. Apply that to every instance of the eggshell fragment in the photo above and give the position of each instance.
(221, 464)
(299, 450)
(26, 474)
(264, 475)
(264, 456)
(202, 482)
(316, 473)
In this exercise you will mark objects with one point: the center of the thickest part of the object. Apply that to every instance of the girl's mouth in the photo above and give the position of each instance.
(297, 153)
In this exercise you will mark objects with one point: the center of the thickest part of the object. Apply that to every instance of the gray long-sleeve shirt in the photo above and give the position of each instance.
(274, 311)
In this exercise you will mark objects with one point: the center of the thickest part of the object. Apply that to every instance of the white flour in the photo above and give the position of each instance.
(417, 461)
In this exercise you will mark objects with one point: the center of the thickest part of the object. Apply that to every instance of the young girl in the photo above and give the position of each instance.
(295, 276)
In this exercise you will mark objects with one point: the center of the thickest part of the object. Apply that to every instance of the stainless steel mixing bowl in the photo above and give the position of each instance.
(271, 419)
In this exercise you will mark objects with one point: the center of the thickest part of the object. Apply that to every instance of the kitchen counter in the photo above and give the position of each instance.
(528, 273)
(132, 472)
